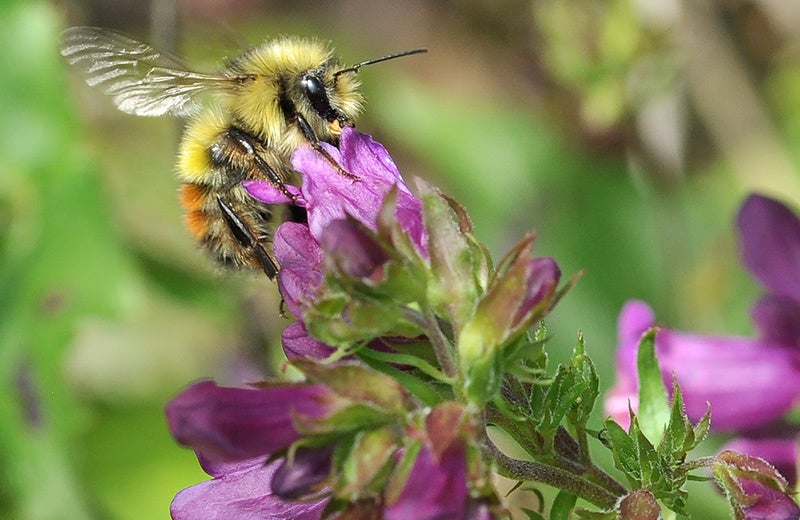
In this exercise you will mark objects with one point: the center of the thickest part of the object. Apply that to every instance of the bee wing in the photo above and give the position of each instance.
(141, 80)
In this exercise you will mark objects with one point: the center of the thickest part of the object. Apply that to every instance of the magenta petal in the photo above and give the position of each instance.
(770, 244)
(433, 490)
(332, 196)
(271, 194)
(364, 156)
(353, 251)
(710, 369)
(234, 424)
(619, 401)
(298, 344)
(777, 319)
(300, 258)
(243, 494)
(634, 320)
(218, 468)
(771, 504)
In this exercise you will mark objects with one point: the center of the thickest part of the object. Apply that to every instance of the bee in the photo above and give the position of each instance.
(243, 123)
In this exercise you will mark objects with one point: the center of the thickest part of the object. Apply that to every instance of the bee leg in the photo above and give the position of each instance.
(245, 145)
(309, 134)
(247, 239)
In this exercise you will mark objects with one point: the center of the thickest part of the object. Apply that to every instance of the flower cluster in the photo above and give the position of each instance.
(749, 382)
(402, 332)
(412, 343)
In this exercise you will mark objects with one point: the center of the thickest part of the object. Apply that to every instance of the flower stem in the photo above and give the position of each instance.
(552, 476)
(441, 345)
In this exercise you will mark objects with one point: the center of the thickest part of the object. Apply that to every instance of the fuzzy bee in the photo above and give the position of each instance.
(244, 122)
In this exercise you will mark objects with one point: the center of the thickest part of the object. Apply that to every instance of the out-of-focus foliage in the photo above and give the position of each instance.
(624, 131)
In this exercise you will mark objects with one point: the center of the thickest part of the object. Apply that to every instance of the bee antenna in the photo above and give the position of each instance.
(388, 57)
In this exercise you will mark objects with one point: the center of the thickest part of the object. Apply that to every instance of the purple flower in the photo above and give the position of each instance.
(755, 490)
(330, 196)
(240, 490)
(236, 424)
(769, 244)
(436, 487)
(437, 484)
(767, 503)
(298, 344)
(300, 257)
(710, 369)
(233, 431)
(334, 202)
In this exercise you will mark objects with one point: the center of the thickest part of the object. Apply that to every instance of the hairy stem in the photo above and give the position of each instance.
(552, 476)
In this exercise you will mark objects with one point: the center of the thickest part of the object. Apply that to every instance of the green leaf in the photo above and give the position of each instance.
(624, 450)
(654, 410)
(562, 505)
(584, 368)
(531, 514)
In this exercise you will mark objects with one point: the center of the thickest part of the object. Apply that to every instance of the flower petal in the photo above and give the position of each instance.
(710, 369)
(300, 258)
(541, 279)
(771, 504)
(353, 252)
(271, 194)
(777, 319)
(330, 195)
(434, 489)
(244, 494)
(770, 244)
(234, 424)
(298, 344)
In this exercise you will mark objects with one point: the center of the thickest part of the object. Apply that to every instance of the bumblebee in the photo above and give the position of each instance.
(244, 122)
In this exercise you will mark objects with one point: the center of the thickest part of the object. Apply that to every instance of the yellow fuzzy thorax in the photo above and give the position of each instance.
(279, 64)
(194, 162)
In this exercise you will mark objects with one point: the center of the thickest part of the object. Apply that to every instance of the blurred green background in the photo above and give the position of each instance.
(625, 131)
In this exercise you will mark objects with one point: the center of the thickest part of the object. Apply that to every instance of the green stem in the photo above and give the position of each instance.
(702, 462)
(588, 468)
(441, 345)
(525, 437)
(552, 476)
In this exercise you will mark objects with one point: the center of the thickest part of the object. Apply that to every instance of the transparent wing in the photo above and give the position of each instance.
(141, 80)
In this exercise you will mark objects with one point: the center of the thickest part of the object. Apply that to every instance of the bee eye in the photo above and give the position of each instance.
(315, 92)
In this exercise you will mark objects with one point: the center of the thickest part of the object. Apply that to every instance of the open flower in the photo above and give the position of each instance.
(336, 206)
(233, 431)
(710, 369)
(749, 382)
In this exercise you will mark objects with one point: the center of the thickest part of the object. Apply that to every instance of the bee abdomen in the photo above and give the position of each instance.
(193, 199)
